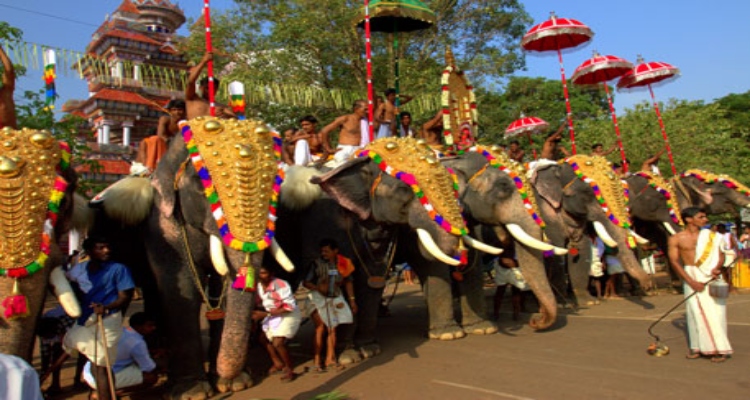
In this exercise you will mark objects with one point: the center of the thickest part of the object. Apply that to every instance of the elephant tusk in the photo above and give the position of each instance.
(481, 246)
(529, 241)
(601, 231)
(217, 255)
(669, 228)
(65, 293)
(429, 244)
(281, 257)
(638, 238)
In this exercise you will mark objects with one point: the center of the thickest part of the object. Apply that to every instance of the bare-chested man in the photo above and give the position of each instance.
(386, 114)
(7, 105)
(551, 148)
(652, 163)
(598, 150)
(696, 256)
(350, 135)
(515, 152)
(308, 146)
(152, 148)
(432, 132)
(199, 105)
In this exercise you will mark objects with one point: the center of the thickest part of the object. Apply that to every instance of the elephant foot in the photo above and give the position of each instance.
(350, 356)
(448, 333)
(238, 384)
(200, 390)
(370, 350)
(481, 328)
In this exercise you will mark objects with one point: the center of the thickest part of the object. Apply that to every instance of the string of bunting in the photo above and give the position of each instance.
(215, 203)
(709, 177)
(667, 195)
(522, 190)
(600, 196)
(411, 181)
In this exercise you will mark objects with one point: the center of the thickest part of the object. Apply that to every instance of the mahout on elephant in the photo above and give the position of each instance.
(205, 218)
(577, 191)
(37, 206)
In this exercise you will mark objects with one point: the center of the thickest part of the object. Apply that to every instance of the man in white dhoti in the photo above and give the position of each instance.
(281, 320)
(327, 275)
(350, 133)
(697, 258)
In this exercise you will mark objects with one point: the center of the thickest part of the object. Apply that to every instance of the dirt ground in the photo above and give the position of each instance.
(593, 353)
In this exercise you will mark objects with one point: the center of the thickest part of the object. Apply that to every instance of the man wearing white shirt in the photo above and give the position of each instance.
(133, 368)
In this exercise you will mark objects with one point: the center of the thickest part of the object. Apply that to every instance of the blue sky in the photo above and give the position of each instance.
(708, 41)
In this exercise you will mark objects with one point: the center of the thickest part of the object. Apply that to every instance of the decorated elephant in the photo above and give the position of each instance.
(394, 187)
(206, 216)
(36, 207)
(577, 191)
(495, 194)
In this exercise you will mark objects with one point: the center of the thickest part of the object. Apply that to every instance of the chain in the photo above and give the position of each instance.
(391, 251)
(196, 278)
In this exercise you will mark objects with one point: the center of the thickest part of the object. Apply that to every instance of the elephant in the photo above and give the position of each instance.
(37, 206)
(496, 213)
(206, 216)
(573, 193)
(717, 194)
(370, 213)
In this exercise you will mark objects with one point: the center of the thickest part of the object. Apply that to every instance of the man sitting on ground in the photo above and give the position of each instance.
(133, 369)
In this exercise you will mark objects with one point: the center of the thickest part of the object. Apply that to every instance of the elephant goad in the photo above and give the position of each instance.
(573, 193)
(210, 216)
(36, 206)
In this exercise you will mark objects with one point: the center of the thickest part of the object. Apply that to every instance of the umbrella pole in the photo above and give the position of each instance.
(531, 143)
(569, 115)
(368, 55)
(663, 131)
(209, 49)
(396, 80)
(617, 128)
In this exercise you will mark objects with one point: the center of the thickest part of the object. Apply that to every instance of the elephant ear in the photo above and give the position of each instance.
(705, 193)
(546, 180)
(349, 186)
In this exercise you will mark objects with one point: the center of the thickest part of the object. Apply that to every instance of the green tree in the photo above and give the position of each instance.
(316, 44)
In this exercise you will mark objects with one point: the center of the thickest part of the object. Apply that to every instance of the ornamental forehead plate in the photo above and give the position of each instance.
(28, 168)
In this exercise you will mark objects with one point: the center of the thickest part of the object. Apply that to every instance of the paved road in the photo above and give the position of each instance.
(596, 353)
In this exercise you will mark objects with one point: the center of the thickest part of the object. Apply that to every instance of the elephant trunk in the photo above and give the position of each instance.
(628, 259)
(531, 263)
(237, 325)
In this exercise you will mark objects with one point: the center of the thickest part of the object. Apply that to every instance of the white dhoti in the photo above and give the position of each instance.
(510, 276)
(332, 310)
(384, 131)
(302, 154)
(285, 325)
(706, 315)
(344, 153)
(126, 377)
(647, 263)
(88, 340)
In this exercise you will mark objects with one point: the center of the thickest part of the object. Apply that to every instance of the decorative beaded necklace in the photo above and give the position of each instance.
(525, 195)
(667, 192)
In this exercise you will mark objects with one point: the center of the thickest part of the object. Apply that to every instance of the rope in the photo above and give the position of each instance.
(391, 253)
(480, 172)
(180, 172)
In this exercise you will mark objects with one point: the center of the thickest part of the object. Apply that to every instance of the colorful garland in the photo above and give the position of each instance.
(410, 180)
(237, 99)
(600, 197)
(50, 60)
(215, 203)
(53, 209)
(725, 180)
(667, 195)
(516, 180)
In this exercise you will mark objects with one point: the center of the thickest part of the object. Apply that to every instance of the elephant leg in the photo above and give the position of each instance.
(579, 278)
(558, 278)
(439, 296)
(473, 305)
(359, 339)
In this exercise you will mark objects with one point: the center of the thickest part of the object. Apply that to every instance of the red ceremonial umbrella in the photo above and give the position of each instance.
(646, 74)
(558, 34)
(600, 69)
(526, 125)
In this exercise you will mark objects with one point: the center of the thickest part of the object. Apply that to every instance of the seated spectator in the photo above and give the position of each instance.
(18, 379)
(51, 330)
(133, 369)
